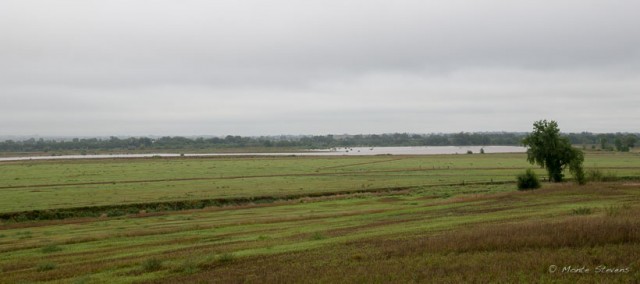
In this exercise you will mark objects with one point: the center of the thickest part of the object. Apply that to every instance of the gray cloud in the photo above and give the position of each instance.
(315, 67)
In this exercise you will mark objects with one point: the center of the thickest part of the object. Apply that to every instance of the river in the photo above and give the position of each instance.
(349, 151)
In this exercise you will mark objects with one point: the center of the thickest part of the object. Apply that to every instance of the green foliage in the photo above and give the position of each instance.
(582, 211)
(78, 145)
(82, 280)
(549, 150)
(616, 210)
(529, 180)
(575, 167)
(187, 267)
(603, 142)
(625, 143)
(599, 176)
(152, 264)
(46, 266)
(24, 235)
(317, 236)
(51, 249)
(263, 238)
(226, 257)
(86, 146)
(630, 140)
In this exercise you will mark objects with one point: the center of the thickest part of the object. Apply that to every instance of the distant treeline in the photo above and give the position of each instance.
(610, 141)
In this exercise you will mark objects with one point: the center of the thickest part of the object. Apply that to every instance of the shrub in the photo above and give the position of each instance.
(614, 211)
(529, 180)
(594, 175)
(51, 248)
(46, 266)
(578, 172)
(226, 257)
(187, 267)
(582, 211)
(598, 175)
(317, 236)
(152, 264)
(24, 235)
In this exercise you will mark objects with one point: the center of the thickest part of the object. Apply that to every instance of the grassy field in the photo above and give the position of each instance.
(381, 219)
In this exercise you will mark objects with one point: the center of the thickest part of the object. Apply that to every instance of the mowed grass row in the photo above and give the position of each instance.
(390, 237)
(39, 185)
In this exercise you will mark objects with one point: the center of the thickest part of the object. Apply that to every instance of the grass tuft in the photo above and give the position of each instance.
(226, 258)
(582, 211)
(46, 266)
(50, 249)
(82, 280)
(152, 264)
(600, 176)
(317, 236)
(187, 267)
(616, 210)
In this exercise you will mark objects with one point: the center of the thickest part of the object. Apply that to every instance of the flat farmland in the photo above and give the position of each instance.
(381, 219)
(40, 185)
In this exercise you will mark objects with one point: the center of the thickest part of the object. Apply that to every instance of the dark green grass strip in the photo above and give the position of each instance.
(136, 208)
(178, 205)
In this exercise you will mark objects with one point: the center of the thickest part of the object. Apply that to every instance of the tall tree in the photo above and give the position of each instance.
(551, 151)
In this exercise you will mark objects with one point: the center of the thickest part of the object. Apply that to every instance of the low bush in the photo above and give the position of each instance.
(187, 267)
(152, 264)
(582, 211)
(46, 266)
(317, 236)
(528, 181)
(599, 175)
(616, 210)
(51, 249)
(226, 257)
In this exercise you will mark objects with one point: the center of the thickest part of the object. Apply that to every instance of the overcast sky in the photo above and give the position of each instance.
(158, 67)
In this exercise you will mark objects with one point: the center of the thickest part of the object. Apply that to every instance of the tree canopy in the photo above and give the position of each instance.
(623, 141)
(549, 150)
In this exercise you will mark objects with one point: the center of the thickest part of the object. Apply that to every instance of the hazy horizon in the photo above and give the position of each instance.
(253, 68)
(66, 137)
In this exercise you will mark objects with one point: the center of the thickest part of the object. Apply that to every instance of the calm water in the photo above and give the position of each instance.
(352, 151)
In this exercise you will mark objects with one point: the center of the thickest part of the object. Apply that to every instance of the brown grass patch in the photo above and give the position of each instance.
(508, 252)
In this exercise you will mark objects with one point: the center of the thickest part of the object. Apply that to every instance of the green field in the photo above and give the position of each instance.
(444, 218)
